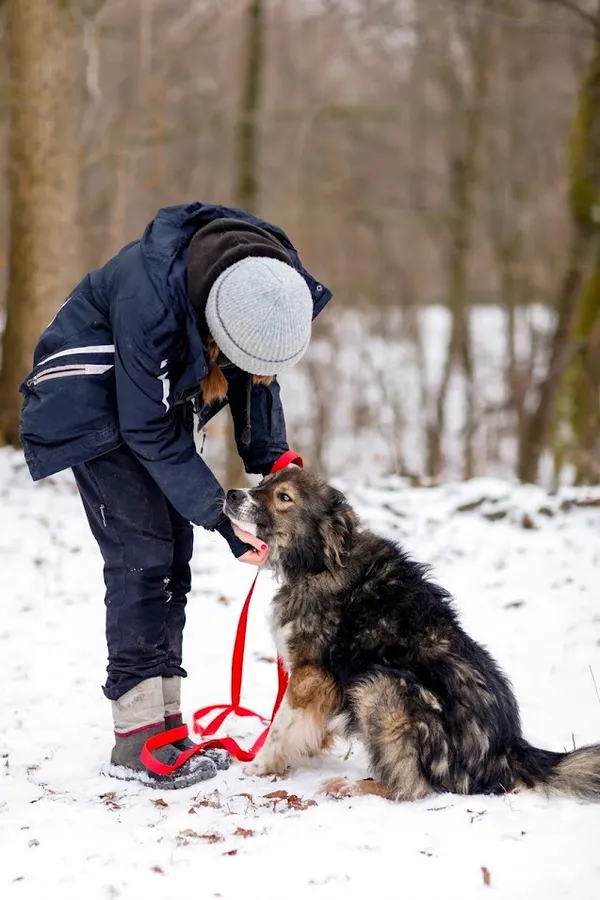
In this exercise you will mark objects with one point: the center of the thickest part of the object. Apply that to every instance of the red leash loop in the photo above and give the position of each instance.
(226, 709)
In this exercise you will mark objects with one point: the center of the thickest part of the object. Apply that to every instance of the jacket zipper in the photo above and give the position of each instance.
(68, 371)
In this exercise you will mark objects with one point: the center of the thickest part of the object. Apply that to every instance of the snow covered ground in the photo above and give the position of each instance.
(525, 568)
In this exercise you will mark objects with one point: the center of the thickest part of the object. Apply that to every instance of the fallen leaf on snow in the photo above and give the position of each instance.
(293, 800)
(212, 802)
(485, 874)
(230, 853)
(157, 869)
(244, 832)
(277, 795)
(160, 802)
(188, 834)
(184, 837)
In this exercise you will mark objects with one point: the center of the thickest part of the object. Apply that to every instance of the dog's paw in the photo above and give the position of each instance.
(267, 766)
(340, 787)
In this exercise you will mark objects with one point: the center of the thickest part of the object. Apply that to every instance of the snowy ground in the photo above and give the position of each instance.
(525, 568)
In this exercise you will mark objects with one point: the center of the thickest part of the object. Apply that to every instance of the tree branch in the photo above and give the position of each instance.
(583, 14)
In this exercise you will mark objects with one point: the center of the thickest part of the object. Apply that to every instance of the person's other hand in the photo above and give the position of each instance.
(258, 555)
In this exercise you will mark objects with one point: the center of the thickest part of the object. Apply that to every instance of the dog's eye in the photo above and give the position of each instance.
(285, 498)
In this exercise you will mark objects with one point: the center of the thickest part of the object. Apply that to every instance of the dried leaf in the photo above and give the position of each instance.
(471, 505)
(206, 801)
(244, 832)
(157, 869)
(425, 852)
(495, 515)
(485, 874)
(33, 843)
(160, 802)
(293, 801)
(212, 838)
(230, 853)
(184, 837)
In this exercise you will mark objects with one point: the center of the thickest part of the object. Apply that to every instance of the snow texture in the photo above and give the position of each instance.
(525, 569)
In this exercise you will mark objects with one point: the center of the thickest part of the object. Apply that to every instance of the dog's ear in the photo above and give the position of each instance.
(337, 529)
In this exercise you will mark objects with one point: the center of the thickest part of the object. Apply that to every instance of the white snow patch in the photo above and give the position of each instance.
(529, 593)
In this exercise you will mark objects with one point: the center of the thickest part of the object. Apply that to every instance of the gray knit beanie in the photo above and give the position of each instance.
(259, 311)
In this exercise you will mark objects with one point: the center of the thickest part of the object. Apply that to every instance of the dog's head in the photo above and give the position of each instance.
(308, 525)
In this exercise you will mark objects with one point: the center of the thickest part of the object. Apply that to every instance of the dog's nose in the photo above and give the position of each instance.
(236, 495)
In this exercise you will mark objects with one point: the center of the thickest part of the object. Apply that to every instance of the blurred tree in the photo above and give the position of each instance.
(44, 263)
(464, 72)
(574, 343)
(246, 166)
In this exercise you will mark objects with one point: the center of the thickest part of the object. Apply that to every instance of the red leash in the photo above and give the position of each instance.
(226, 709)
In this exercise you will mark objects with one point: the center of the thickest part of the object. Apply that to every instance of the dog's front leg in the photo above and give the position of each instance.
(300, 726)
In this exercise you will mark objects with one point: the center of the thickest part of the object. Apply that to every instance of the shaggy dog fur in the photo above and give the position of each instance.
(375, 650)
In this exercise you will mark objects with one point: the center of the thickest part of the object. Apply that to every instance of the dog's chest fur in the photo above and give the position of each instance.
(297, 626)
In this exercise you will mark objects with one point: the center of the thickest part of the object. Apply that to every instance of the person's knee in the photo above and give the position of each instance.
(150, 556)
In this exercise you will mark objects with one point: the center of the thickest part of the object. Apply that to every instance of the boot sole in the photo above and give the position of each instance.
(157, 782)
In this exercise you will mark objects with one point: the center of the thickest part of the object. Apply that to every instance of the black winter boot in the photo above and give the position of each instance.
(139, 715)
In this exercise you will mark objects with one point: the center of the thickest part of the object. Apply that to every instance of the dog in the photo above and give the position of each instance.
(374, 650)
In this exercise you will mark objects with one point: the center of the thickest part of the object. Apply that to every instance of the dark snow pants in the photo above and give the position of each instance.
(146, 546)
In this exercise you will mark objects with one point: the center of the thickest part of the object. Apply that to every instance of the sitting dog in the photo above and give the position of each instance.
(375, 650)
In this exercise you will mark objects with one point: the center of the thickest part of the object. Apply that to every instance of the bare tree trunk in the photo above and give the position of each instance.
(537, 427)
(584, 381)
(584, 159)
(459, 352)
(246, 174)
(463, 181)
(46, 70)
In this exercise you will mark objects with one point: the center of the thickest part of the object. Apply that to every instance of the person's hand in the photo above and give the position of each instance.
(257, 556)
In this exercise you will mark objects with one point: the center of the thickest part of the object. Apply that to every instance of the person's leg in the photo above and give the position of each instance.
(178, 588)
(129, 518)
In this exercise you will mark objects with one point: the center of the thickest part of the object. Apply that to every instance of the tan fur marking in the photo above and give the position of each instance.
(476, 740)
(300, 726)
(386, 726)
(343, 787)
(313, 688)
(430, 699)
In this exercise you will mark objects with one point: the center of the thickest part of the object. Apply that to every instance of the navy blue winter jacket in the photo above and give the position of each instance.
(124, 354)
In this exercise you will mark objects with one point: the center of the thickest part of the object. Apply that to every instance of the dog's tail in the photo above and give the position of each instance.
(575, 774)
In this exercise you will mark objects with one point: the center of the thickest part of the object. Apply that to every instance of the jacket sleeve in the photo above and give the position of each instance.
(267, 428)
(144, 353)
